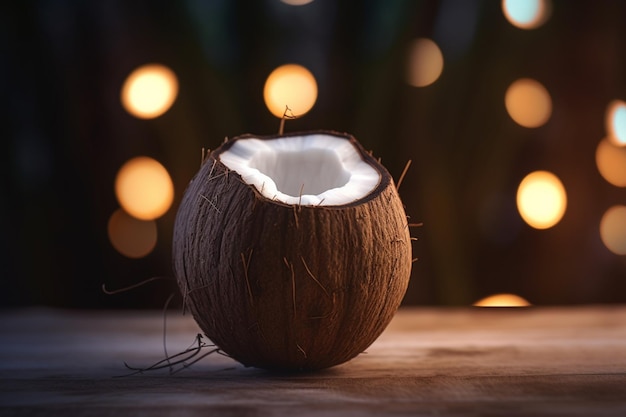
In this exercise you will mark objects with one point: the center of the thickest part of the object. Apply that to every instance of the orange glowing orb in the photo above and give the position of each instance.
(149, 91)
(528, 103)
(502, 300)
(611, 162)
(144, 188)
(425, 63)
(613, 229)
(131, 237)
(541, 199)
(291, 86)
(297, 2)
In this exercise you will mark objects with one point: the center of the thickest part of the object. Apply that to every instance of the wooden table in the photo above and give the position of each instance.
(429, 362)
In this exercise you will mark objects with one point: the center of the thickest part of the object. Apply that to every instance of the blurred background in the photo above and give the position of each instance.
(512, 114)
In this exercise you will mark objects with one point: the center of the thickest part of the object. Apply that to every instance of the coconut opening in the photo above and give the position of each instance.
(311, 172)
(315, 169)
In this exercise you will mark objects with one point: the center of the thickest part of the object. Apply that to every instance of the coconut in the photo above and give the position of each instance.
(292, 252)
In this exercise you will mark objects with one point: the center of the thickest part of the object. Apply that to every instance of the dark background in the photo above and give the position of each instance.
(65, 134)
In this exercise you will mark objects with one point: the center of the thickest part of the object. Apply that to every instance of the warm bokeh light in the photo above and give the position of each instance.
(611, 162)
(131, 237)
(149, 91)
(613, 229)
(526, 14)
(528, 103)
(541, 199)
(144, 188)
(296, 2)
(502, 300)
(290, 85)
(616, 122)
(425, 62)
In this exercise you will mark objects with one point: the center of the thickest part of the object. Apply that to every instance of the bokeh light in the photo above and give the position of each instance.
(541, 199)
(425, 62)
(611, 162)
(526, 14)
(131, 237)
(616, 122)
(296, 2)
(528, 103)
(502, 300)
(149, 91)
(290, 85)
(144, 188)
(613, 229)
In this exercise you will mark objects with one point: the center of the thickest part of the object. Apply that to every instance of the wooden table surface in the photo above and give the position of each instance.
(429, 362)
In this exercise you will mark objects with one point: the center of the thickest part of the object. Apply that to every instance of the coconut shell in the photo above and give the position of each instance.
(289, 287)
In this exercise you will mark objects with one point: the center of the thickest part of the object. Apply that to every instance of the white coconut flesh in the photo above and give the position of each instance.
(313, 169)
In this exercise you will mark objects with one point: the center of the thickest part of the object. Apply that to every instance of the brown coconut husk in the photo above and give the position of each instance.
(289, 287)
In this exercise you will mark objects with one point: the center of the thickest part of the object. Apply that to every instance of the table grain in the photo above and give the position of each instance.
(552, 361)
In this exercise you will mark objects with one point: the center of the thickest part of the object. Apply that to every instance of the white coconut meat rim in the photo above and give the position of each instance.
(309, 170)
